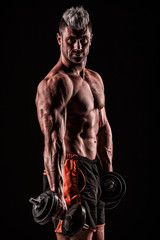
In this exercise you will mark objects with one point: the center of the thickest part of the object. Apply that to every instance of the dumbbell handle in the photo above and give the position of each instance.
(35, 201)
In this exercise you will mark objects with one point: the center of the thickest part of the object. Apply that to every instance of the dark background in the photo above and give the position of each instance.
(124, 52)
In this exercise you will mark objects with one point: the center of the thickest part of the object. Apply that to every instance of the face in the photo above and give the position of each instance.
(75, 44)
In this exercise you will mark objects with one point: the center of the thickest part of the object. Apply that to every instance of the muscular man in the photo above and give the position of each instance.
(77, 136)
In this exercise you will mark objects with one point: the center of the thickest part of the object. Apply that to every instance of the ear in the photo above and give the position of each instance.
(59, 38)
(91, 39)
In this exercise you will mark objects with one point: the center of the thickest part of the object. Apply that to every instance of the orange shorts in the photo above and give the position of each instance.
(81, 185)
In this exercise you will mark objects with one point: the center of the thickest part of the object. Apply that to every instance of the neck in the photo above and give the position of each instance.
(73, 67)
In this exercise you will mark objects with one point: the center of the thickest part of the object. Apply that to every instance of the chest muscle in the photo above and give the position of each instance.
(87, 98)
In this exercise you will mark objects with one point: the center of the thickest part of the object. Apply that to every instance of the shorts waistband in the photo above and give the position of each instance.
(80, 158)
(71, 156)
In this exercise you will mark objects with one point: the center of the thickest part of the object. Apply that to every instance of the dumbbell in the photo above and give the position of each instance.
(46, 204)
(113, 189)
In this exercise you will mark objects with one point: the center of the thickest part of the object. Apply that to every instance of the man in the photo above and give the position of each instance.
(77, 136)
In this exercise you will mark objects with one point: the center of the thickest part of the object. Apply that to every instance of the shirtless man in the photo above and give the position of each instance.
(71, 111)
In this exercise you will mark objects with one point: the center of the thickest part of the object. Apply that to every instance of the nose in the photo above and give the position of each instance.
(77, 45)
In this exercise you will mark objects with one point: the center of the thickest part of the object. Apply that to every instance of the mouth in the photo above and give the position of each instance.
(78, 54)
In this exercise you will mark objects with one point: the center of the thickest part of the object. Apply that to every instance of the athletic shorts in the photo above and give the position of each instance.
(81, 185)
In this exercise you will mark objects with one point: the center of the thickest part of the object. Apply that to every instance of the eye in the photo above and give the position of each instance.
(84, 40)
(70, 40)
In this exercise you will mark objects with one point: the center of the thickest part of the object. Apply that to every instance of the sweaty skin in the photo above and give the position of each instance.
(71, 111)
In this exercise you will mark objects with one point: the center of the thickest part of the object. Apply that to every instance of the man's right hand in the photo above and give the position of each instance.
(61, 209)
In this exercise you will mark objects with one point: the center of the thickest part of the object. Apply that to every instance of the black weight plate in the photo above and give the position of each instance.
(110, 206)
(39, 211)
(51, 208)
(118, 188)
(117, 192)
(74, 220)
(39, 216)
(45, 211)
(112, 194)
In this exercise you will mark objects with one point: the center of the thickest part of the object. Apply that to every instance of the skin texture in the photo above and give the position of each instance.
(71, 111)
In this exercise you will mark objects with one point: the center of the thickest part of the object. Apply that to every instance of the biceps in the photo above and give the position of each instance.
(103, 121)
(102, 117)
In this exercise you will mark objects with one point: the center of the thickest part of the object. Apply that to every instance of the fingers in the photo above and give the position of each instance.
(61, 210)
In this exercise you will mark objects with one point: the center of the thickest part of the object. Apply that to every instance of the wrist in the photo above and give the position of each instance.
(58, 190)
(107, 167)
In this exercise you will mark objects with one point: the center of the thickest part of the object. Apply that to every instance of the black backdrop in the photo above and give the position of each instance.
(124, 42)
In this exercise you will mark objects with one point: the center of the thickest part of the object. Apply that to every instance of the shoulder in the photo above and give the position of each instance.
(53, 82)
(61, 82)
(57, 84)
(94, 75)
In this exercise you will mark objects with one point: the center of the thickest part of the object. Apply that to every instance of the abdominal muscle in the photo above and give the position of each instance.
(81, 134)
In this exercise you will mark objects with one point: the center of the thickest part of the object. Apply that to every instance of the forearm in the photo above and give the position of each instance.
(105, 148)
(54, 154)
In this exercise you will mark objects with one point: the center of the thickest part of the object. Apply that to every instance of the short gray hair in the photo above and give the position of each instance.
(76, 17)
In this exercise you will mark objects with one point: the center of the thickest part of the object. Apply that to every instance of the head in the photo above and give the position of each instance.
(75, 34)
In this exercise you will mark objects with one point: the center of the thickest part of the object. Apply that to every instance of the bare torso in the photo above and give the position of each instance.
(82, 111)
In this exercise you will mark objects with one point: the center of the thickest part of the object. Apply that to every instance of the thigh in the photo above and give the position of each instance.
(82, 235)
(99, 234)
(79, 236)
(60, 236)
